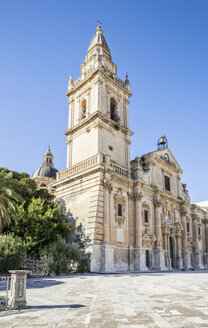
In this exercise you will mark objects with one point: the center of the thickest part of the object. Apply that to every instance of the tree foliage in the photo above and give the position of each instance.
(60, 256)
(40, 224)
(9, 198)
(12, 251)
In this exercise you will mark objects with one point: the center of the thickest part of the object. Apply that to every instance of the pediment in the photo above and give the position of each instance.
(168, 158)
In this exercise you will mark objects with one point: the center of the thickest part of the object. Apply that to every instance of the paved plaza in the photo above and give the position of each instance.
(177, 299)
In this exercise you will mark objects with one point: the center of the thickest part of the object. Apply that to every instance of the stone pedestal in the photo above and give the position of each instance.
(159, 260)
(131, 258)
(18, 289)
(108, 256)
(140, 259)
(206, 260)
(96, 256)
(198, 263)
(187, 260)
(179, 263)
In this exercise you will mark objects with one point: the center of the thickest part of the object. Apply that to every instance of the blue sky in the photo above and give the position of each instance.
(162, 44)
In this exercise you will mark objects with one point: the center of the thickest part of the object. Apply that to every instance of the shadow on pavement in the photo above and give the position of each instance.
(42, 283)
(39, 307)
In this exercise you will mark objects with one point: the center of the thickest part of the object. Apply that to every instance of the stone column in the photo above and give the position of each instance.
(159, 254)
(88, 102)
(186, 255)
(184, 224)
(69, 152)
(138, 216)
(108, 252)
(206, 244)
(195, 231)
(197, 254)
(158, 230)
(179, 250)
(139, 256)
(106, 218)
(131, 230)
(18, 289)
(71, 108)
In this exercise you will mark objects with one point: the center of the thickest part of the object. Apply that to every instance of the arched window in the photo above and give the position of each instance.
(119, 210)
(83, 109)
(146, 216)
(188, 227)
(43, 186)
(146, 213)
(113, 114)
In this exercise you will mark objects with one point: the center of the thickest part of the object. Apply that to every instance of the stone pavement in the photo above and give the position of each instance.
(176, 299)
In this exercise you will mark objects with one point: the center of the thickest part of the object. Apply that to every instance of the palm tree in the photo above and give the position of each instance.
(9, 198)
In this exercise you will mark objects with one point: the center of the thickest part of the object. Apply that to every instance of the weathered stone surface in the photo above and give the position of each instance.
(164, 300)
(139, 207)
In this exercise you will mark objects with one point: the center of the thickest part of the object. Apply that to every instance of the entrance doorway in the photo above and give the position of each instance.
(171, 252)
(147, 258)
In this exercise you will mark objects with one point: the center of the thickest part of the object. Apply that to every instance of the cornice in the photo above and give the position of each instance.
(168, 166)
(93, 73)
(92, 117)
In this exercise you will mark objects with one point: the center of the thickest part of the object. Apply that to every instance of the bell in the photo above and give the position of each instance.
(162, 141)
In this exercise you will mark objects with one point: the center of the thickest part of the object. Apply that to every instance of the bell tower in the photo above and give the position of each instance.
(98, 109)
(94, 185)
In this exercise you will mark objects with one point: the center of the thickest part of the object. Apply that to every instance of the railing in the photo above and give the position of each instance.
(79, 167)
(91, 70)
(119, 169)
(4, 286)
(120, 82)
(35, 266)
(91, 162)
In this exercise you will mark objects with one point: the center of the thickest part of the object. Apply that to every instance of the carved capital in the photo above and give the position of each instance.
(138, 196)
(183, 210)
(156, 200)
(107, 186)
(157, 203)
(195, 216)
(130, 196)
(69, 140)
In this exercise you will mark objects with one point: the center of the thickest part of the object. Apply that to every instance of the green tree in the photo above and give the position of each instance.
(9, 198)
(40, 224)
(60, 256)
(12, 252)
(26, 187)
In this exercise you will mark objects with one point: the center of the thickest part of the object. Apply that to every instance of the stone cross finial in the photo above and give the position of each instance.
(99, 23)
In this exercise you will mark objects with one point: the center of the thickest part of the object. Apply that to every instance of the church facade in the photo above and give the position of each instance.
(137, 213)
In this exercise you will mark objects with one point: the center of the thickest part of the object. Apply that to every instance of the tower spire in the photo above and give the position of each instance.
(98, 43)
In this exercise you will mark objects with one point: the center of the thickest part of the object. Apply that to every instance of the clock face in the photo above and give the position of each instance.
(166, 157)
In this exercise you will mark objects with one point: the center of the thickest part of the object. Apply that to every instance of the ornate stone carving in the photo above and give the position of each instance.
(183, 209)
(148, 240)
(130, 196)
(107, 185)
(69, 140)
(156, 200)
(146, 207)
(195, 216)
(190, 246)
(119, 200)
(138, 196)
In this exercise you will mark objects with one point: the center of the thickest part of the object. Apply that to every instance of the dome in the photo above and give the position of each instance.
(45, 171)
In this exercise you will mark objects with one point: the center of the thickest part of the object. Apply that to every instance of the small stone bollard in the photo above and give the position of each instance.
(18, 288)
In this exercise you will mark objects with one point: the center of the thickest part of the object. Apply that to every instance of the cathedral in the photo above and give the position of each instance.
(137, 213)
